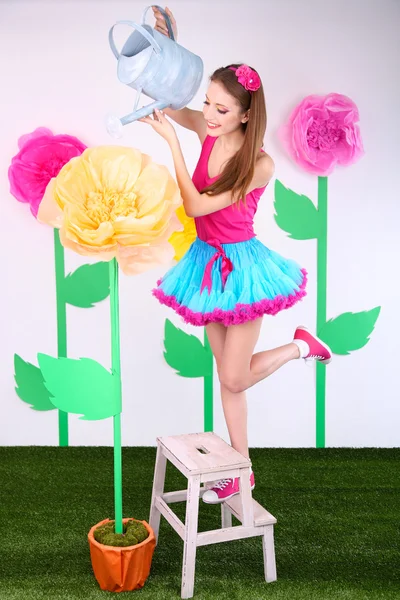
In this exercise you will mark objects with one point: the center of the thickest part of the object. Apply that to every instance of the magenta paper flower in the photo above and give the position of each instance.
(248, 78)
(40, 158)
(322, 132)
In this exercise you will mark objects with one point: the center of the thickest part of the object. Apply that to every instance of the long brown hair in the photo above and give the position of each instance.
(239, 171)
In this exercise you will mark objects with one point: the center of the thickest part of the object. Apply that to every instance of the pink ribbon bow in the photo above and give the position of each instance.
(226, 266)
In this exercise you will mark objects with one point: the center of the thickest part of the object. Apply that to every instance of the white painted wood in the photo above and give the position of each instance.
(171, 517)
(190, 541)
(226, 516)
(216, 536)
(218, 460)
(246, 498)
(158, 488)
(179, 496)
(172, 459)
(217, 454)
(216, 475)
(269, 554)
(261, 515)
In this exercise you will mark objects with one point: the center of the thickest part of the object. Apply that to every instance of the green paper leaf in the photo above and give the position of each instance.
(186, 353)
(349, 331)
(30, 385)
(81, 386)
(87, 285)
(295, 214)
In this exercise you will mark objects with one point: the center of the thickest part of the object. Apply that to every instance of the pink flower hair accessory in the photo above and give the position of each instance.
(248, 78)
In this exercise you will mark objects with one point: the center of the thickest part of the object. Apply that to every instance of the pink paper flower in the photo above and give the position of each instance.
(40, 158)
(248, 78)
(321, 132)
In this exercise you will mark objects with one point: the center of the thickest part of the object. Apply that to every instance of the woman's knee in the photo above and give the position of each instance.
(234, 382)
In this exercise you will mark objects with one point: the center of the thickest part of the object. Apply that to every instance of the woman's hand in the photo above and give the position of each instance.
(161, 25)
(161, 125)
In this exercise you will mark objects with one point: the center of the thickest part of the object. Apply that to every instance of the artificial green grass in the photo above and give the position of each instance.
(337, 535)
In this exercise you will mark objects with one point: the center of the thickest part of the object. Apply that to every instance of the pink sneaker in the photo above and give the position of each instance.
(225, 489)
(311, 347)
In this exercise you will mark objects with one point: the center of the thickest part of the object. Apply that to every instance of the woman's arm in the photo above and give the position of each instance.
(186, 117)
(198, 205)
(190, 119)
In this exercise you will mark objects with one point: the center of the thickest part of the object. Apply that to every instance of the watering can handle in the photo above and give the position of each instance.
(139, 28)
(166, 17)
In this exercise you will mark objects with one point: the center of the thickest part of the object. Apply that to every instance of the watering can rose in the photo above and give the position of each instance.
(111, 202)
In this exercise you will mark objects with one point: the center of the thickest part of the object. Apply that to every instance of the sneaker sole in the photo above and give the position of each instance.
(328, 360)
(220, 501)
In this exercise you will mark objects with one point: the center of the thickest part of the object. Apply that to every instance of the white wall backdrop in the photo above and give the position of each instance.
(57, 71)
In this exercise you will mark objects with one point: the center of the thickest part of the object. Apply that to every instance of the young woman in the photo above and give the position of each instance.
(228, 279)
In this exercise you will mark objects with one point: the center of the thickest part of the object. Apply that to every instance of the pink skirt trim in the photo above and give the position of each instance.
(242, 312)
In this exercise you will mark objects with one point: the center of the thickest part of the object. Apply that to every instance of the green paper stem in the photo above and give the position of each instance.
(208, 389)
(61, 326)
(322, 262)
(116, 370)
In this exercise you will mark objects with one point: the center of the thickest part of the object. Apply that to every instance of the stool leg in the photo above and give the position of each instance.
(158, 489)
(226, 516)
(269, 553)
(246, 498)
(190, 541)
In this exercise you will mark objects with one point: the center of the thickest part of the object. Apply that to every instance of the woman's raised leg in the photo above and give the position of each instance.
(240, 368)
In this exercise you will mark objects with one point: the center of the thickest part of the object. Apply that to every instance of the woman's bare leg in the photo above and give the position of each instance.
(234, 404)
(240, 369)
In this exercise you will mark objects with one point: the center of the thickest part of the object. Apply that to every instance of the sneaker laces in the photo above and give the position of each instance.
(310, 360)
(222, 483)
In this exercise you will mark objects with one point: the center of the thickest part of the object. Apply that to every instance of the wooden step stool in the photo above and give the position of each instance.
(205, 457)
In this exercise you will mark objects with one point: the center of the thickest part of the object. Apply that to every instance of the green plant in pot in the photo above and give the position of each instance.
(115, 204)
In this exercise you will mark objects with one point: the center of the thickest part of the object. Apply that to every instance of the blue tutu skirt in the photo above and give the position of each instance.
(231, 283)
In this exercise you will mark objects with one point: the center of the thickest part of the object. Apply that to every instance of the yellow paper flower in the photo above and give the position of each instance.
(182, 240)
(113, 201)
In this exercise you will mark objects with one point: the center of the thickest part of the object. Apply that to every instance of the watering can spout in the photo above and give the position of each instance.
(115, 124)
(156, 65)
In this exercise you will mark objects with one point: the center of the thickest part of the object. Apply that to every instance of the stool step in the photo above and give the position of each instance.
(201, 453)
(261, 515)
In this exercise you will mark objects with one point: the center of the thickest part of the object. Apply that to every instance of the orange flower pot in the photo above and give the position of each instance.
(119, 569)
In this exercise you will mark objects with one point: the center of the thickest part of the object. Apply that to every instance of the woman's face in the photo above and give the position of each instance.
(221, 111)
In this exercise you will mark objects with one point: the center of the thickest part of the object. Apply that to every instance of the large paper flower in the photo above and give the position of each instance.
(111, 202)
(182, 240)
(321, 132)
(41, 157)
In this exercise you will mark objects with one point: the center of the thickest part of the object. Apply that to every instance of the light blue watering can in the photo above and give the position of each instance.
(156, 65)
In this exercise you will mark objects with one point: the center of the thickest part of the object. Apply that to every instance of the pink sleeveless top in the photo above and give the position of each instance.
(232, 223)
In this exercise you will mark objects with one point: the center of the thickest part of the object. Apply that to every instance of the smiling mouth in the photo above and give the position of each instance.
(211, 126)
